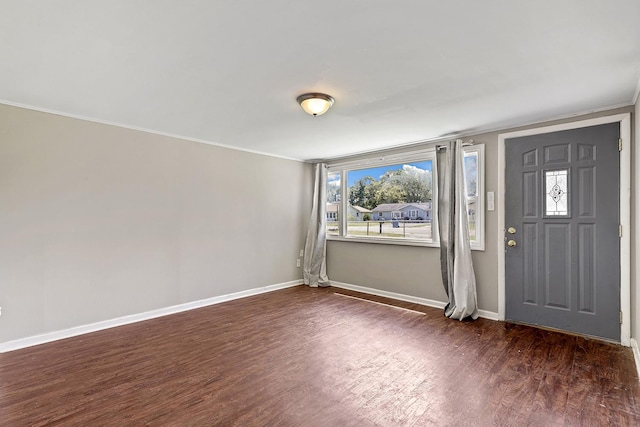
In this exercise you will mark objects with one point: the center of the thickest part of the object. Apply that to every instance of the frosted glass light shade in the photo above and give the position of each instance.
(315, 104)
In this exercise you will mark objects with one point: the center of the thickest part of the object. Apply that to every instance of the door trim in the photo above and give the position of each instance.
(625, 210)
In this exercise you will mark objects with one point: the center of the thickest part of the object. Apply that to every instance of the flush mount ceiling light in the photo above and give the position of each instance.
(315, 104)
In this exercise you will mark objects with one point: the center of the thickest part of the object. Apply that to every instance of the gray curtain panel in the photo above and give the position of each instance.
(456, 265)
(314, 269)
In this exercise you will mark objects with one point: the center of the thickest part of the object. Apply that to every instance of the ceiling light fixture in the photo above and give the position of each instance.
(315, 104)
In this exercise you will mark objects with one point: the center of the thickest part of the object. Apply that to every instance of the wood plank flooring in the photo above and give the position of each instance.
(310, 357)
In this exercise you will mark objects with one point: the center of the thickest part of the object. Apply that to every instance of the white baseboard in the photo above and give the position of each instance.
(125, 320)
(408, 298)
(636, 354)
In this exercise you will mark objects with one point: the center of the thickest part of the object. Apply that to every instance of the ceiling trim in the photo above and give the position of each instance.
(141, 129)
(401, 146)
(474, 132)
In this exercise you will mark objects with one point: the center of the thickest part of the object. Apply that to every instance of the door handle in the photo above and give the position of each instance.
(511, 243)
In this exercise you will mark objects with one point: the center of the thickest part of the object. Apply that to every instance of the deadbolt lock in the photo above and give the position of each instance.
(511, 230)
(511, 243)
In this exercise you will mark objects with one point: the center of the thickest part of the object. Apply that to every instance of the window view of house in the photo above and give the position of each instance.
(391, 201)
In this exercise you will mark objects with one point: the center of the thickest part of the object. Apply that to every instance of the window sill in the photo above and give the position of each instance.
(391, 241)
(384, 241)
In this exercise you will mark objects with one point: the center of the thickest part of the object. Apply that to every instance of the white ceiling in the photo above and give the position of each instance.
(229, 71)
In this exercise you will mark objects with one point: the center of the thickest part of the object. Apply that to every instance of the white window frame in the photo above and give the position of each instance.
(427, 154)
(478, 244)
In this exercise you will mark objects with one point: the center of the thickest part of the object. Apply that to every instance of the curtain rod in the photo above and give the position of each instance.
(378, 158)
(464, 144)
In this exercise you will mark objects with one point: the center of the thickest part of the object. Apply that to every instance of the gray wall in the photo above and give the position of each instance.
(414, 271)
(98, 222)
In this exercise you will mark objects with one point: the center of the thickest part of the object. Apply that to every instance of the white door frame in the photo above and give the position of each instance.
(625, 210)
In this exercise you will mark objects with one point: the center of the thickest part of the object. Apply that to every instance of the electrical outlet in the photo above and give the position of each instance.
(0, 311)
(301, 252)
(298, 262)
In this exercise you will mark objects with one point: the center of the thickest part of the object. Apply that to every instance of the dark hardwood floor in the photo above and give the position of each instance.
(309, 357)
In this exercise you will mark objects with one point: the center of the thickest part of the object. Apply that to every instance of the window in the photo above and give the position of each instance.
(333, 203)
(393, 199)
(471, 187)
(474, 186)
(388, 191)
(556, 188)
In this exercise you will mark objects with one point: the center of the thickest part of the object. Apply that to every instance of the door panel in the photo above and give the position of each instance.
(562, 198)
(557, 238)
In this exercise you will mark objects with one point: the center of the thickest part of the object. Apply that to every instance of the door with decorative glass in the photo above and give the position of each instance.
(562, 260)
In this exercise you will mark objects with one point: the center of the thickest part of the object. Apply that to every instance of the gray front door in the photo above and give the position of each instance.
(562, 261)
